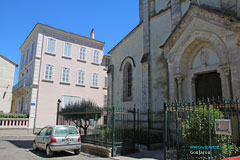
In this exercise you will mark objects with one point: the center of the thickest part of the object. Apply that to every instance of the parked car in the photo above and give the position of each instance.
(58, 138)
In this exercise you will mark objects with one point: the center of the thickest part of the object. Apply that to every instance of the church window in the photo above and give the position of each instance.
(127, 82)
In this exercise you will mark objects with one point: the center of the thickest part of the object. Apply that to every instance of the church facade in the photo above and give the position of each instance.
(181, 50)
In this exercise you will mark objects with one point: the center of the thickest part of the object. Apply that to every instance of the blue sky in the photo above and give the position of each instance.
(112, 20)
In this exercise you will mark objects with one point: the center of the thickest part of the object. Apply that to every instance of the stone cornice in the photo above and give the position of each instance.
(210, 16)
(59, 31)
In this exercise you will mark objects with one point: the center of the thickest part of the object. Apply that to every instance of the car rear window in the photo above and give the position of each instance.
(65, 131)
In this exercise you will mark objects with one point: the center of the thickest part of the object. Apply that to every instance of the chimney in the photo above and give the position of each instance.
(92, 34)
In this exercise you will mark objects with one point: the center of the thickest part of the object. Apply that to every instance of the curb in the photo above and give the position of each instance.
(18, 137)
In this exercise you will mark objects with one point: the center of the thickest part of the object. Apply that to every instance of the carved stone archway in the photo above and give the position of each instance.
(182, 75)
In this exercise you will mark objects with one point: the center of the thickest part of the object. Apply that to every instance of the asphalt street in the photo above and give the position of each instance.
(21, 149)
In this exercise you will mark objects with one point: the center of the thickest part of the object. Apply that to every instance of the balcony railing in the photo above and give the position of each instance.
(21, 83)
(14, 122)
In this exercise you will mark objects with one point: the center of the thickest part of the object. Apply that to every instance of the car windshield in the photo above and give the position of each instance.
(62, 131)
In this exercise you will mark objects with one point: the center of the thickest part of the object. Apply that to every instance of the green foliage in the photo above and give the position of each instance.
(81, 113)
(195, 131)
(12, 115)
(84, 110)
(105, 132)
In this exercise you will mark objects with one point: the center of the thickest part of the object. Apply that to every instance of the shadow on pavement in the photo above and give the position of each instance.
(42, 154)
(152, 154)
(26, 144)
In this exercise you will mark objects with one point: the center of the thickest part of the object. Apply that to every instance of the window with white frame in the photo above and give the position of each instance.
(26, 60)
(48, 72)
(82, 54)
(68, 100)
(105, 82)
(51, 45)
(95, 58)
(67, 50)
(105, 100)
(31, 55)
(65, 75)
(95, 80)
(80, 77)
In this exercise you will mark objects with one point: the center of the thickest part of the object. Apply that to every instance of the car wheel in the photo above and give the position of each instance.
(49, 152)
(35, 148)
(77, 152)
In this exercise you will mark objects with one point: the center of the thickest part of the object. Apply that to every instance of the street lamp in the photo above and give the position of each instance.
(58, 105)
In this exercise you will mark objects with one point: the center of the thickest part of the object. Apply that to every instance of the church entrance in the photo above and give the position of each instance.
(208, 85)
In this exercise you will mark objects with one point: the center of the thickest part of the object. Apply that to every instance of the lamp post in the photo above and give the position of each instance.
(58, 105)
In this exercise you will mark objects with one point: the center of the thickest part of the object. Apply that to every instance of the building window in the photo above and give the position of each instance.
(48, 72)
(26, 60)
(67, 50)
(94, 80)
(105, 82)
(95, 57)
(68, 100)
(65, 75)
(81, 76)
(82, 54)
(51, 45)
(31, 55)
(22, 63)
(127, 82)
(105, 100)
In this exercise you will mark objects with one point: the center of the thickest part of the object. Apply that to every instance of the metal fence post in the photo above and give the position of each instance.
(165, 131)
(134, 128)
(176, 107)
(148, 145)
(209, 128)
(113, 132)
(95, 128)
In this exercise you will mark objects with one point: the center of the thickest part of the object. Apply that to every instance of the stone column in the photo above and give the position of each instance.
(194, 88)
(227, 72)
(179, 79)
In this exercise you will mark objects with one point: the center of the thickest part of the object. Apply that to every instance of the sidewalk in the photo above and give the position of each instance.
(143, 154)
(17, 133)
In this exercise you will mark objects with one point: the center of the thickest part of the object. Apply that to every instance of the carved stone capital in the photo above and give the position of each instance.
(179, 78)
(226, 69)
(194, 79)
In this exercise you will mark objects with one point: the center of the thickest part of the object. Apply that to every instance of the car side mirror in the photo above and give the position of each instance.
(37, 133)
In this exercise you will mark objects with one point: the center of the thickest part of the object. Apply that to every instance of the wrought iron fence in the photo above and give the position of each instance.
(189, 129)
(123, 129)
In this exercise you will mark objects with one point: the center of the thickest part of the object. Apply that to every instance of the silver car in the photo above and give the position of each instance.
(58, 138)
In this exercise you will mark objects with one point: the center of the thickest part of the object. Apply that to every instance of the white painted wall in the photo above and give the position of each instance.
(7, 71)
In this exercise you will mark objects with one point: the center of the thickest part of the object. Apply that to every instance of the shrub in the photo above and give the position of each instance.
(195, 131)
(13, 115)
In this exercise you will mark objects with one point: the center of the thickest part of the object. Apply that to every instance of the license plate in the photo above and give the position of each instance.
(68, 140)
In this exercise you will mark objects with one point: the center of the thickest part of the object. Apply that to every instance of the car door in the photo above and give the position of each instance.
(39, 138)
(47, 137)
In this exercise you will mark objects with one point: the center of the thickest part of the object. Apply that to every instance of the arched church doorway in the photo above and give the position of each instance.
(208, 85)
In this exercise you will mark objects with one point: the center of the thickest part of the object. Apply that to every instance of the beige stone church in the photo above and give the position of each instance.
(181, 49)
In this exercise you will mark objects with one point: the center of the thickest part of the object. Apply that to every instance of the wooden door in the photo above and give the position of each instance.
(208, 85)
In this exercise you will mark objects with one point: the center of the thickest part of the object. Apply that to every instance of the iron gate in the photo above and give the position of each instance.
(189, 131)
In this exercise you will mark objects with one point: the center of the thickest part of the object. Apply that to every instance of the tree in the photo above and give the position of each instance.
(81, 113)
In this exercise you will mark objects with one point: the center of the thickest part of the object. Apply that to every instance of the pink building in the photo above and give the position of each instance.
(57, 64)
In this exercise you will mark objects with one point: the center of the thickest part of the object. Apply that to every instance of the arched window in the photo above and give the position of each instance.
(127, 82)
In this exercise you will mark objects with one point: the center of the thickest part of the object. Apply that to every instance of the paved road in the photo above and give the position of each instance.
(21, 149)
